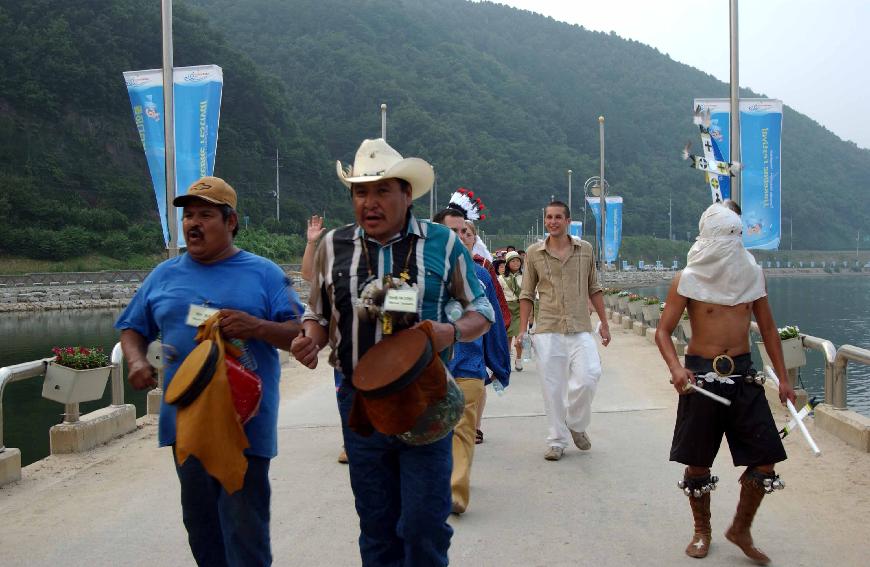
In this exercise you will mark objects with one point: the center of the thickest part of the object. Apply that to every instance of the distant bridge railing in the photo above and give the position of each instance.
(39, 279)
(836, 365)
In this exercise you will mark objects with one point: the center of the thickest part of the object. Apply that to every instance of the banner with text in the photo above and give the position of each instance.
(761, 156)
(576, 229)
(197, 92)
(613, 227)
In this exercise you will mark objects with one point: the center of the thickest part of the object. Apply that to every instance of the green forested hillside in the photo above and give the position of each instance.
(499, 100)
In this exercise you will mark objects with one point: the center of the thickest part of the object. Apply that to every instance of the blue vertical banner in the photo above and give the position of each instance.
(197, 92)
(576, 229)
(613, 229)
(761, 156)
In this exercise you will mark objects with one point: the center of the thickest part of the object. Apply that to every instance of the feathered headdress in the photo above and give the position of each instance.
(466, 203)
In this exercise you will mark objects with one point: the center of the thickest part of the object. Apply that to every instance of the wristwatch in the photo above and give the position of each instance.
(457, 334)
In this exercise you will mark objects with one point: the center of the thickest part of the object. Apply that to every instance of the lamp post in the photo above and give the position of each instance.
(569, 189)
(735, 103)
(603, 229)
(169, 126)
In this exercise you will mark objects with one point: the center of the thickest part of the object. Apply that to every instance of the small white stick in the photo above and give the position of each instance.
(710, 395)
(794, 414)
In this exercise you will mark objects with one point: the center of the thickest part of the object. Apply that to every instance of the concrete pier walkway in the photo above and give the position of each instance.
(616, 504)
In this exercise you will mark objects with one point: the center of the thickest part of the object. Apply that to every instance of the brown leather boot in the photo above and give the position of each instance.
(751, 493)
(700, 544)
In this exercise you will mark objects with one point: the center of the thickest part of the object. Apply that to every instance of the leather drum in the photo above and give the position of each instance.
(404, 389)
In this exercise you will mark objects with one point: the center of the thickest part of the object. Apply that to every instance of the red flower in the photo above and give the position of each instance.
(471, 195)
(482, 217)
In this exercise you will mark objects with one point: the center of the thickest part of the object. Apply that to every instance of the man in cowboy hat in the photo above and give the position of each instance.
(722, 287)
(402, 492)
(257, 304)
(561, 269)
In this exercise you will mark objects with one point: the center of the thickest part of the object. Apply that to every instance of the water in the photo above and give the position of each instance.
(836, 308)
(30, 336)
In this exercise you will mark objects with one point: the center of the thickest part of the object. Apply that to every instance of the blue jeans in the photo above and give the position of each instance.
(402, 495)
(223, 529)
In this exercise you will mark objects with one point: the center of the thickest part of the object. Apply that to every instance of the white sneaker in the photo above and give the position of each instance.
(581, 439)
(518, 365)
(554, 453)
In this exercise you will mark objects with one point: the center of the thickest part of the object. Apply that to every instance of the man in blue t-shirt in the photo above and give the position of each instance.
(257, 305)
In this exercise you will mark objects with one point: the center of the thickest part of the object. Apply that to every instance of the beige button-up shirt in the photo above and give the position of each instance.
(563, 286)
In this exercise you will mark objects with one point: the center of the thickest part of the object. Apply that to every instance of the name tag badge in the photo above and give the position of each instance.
(199, 314)
(401, 300)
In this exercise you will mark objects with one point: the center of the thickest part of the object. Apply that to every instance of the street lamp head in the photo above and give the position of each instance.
(383, 106)
(601, 119)
(570, 172)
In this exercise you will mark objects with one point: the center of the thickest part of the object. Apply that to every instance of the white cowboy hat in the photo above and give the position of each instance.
(376, 160)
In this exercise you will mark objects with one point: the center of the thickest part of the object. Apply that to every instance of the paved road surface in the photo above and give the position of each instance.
(616, 505)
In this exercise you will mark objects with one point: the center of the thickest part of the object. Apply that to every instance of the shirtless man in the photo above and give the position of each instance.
(722, 287)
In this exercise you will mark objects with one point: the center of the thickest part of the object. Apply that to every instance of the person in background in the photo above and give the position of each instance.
(472, 241)
(561, 270)
(512, 283)
(469, 367)
(313, 234)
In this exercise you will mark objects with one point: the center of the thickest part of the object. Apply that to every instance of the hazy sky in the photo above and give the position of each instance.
(814, 55)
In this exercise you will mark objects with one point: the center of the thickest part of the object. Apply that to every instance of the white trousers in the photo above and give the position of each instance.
(570, 367)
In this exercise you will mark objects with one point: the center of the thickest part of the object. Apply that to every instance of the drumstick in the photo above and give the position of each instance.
(794, 415)
(711, 395)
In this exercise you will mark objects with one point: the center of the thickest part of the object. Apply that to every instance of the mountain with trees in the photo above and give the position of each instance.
(499, 100)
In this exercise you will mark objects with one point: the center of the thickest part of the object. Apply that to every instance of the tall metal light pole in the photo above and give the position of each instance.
(384, 121)
(569, 189)
(169, 126)
(277, 190)
(602, 229)
(735, 103)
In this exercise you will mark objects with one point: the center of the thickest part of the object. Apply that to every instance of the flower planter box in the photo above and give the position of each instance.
(686, 326)
(610, 300)
(651, 312)
(70, 386)
(634, 307)
(792, 352)
(622, 303)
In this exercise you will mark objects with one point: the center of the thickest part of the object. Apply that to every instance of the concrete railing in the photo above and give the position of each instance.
(845, 354)
(75, 433)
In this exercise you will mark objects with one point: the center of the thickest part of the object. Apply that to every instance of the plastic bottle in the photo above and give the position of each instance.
(497, 386)
(527, 348)
(453, 310)
(246, 359)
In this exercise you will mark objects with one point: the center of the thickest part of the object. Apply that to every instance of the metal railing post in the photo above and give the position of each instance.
(845, 354)
(117, 375)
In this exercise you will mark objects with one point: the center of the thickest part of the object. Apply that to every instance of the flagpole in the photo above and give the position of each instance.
(603, 216)
(384, 121)
(169, 126)
(735, 104)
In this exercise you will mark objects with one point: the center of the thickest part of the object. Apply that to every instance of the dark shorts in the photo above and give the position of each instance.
(747, 423)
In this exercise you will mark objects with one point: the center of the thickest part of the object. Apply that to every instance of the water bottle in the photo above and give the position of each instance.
(246, 359)
(497, 386)
(527, 348)
(453, 310)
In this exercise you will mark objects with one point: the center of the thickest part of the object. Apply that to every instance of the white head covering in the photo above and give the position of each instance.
(480, 249)
(718, 268)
